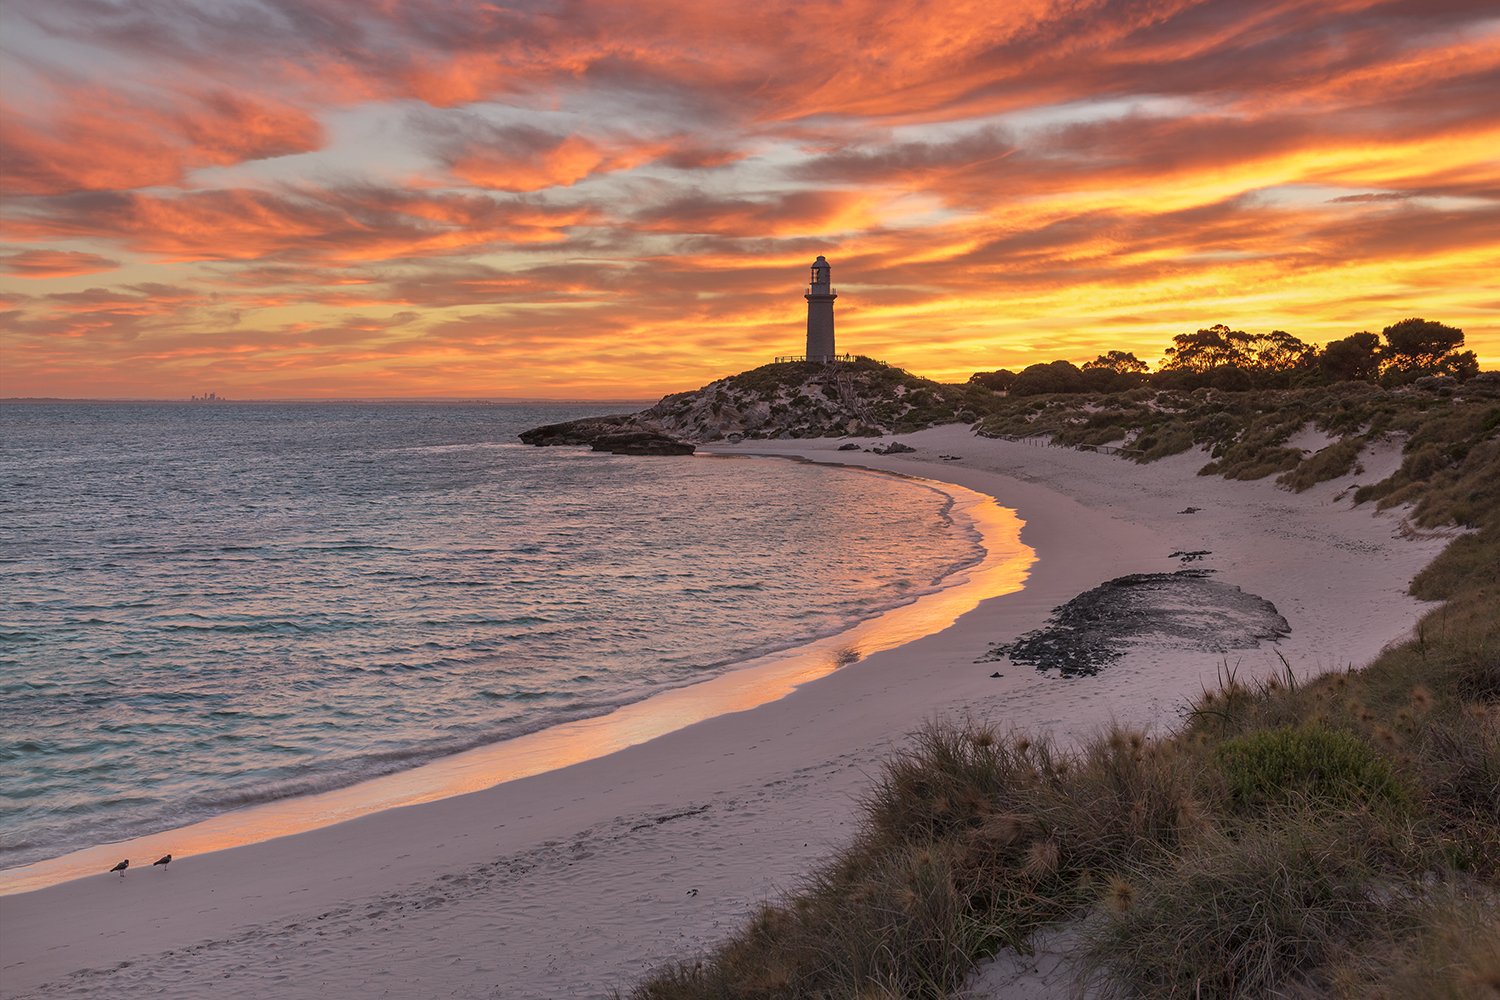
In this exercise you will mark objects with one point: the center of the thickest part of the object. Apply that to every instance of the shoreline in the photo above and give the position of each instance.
(1000, 567)
(577, 880)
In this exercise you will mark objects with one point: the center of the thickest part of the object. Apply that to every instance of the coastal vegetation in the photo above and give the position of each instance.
(1217, 357)
(1447, 435)
(1336, 836)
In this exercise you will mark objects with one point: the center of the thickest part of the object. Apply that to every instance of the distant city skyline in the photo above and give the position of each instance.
(580, 199)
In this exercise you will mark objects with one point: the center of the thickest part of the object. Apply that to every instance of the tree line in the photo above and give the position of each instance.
(1221, 358)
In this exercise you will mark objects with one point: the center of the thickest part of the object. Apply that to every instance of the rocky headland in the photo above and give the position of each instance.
(862, 398)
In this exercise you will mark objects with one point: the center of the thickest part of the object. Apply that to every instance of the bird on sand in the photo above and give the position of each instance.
(121, 867)
(165, 859)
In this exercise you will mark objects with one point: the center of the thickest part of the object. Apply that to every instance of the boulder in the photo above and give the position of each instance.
(575, 432)
(619, 435)
(641, 442)
(894, 448)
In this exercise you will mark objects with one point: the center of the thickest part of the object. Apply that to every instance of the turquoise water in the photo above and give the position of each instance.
(207, 606)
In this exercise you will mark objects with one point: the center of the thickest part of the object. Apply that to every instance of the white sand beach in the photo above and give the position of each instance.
(574, 881)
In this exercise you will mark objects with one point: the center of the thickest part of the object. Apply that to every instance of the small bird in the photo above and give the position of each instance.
(165, 859)
(121, 867)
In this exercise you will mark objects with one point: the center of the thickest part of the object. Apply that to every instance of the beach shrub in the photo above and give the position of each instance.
(1329, 766)
(1150, 447)
(1337, 459)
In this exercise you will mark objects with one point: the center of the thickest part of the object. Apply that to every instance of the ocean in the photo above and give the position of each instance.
(206, 606)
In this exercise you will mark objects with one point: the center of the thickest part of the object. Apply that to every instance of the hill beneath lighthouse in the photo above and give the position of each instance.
(862, 398)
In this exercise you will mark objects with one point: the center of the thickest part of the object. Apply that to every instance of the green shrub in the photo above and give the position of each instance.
(1334, 767)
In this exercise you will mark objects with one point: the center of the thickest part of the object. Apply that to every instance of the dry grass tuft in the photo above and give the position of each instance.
(1120, 896)
(1247, 916)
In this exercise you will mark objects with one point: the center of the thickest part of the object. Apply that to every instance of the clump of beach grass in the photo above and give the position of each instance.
(1244, 913)
(1450, 951)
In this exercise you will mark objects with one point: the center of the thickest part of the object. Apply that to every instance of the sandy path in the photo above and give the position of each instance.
(571, 882)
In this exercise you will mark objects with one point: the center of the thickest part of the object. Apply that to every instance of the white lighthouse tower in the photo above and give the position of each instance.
(820, 296)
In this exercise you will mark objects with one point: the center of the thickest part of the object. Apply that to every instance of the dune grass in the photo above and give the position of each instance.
(1451, 455)
(1338, 837)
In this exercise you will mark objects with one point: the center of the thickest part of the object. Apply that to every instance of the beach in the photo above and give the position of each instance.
(576, 880)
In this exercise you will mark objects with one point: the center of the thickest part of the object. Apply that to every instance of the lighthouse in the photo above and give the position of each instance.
(820, 296)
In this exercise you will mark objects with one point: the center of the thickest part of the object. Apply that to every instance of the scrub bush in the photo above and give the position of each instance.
(1329, 766)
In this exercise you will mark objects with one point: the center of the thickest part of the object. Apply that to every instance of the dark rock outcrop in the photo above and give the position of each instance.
(620, 434)
(1181, 610)
(577, 432)
(641, 441)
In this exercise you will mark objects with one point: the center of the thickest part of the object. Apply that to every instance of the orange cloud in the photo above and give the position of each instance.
(100, 139)
(566, 162)
(54, 263)
(308, 223)
(773, 215)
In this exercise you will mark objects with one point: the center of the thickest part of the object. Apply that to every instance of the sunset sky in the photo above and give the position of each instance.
(585, 199)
